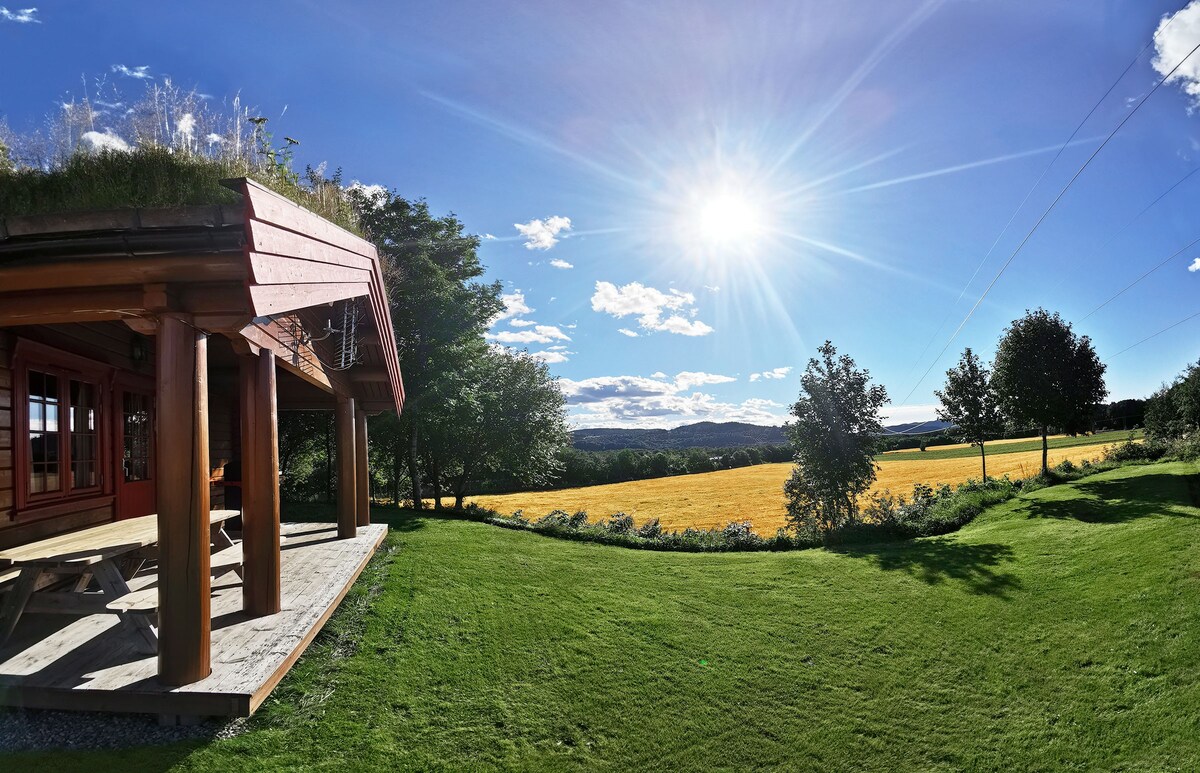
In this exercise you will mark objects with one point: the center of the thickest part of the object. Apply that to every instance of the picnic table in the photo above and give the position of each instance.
(111, 554)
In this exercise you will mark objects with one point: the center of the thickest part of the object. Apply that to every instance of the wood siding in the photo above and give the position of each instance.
(109, 344)
(7, 494)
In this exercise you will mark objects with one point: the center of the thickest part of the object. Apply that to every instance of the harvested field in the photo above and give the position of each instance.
(755, 494)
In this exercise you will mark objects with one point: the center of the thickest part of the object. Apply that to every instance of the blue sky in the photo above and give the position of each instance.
(686, 199)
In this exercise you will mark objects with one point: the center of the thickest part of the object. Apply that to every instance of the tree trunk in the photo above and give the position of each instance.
(435, 483)
(329, 458)
(414, 467)
(1045, 452)
(983, 461)
(397, 465)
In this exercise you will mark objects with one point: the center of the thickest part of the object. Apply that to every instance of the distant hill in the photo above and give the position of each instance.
(705, 434)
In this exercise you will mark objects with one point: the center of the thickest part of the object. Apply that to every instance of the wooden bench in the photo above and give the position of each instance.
(145, 601)
(110, 554)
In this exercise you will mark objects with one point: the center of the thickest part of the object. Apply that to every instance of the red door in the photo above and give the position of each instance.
(135, 439)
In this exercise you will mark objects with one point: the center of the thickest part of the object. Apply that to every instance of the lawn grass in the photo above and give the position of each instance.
(997, 448)
(1057, 631)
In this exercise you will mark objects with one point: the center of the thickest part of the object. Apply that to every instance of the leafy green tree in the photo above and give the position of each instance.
(834, 438)
(1174, 410)
(508, 420)
(969, 403)
(1046, 376)
(440, 309)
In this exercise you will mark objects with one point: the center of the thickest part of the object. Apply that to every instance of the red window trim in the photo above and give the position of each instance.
(39, 357)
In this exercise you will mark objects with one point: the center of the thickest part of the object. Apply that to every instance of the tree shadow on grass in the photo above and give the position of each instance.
(1120, 500)
(936, 561)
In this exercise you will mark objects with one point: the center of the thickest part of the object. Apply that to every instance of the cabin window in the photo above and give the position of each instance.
(136, 429)
(62, 441)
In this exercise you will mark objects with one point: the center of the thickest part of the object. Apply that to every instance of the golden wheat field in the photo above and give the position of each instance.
(713, 499)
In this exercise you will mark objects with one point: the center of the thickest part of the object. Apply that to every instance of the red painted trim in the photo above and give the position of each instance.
(66, 366)
(324, 243)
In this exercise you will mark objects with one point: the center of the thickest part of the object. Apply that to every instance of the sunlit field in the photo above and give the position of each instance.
(755, 494)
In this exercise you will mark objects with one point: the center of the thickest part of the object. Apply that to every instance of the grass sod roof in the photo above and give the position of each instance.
(149, 177)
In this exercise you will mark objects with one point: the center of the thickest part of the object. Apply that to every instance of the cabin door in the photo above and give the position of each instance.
(135, 442)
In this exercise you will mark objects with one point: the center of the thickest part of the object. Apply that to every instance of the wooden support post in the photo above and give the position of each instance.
(181, 458)
(362, 479)
(347, 502)
(260, 485)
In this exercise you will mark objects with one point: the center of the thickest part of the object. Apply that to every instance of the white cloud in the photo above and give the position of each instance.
(686, 327)
(185, 128)
(551, 357)
(713, 288)
(514, 306)
(657, 401)
(633, 334)
(649, 304)
(561, 264)
(609, 401)
(1174, 42)
(543, 234)
(541, 334)
(904, 414)
(774, 373)
(106, 140)
(375, 195)
(20, 16)
(1195, 265)
(521, 322)
(141, 72)
(489, 237)
(690, 378)
(214, 139)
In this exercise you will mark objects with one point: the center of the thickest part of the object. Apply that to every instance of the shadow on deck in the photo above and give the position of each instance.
(93, 663)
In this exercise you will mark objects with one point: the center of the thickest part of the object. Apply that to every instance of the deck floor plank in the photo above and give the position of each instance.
(93, 663)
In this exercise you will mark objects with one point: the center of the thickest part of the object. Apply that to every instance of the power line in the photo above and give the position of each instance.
(1121, 292)
(1061, 193)
(1155, 335)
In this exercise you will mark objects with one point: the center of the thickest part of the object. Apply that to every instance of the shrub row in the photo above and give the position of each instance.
(928, 512)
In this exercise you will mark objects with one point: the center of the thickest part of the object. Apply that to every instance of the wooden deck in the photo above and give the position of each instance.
(93, 664)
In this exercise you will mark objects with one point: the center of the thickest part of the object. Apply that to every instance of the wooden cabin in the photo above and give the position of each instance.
(144, 357)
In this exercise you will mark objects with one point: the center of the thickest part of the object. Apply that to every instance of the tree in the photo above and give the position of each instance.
(1174, 411)
(439, 309)
(834, 438)
(969, 403)
(1046, 376)
(510, 420)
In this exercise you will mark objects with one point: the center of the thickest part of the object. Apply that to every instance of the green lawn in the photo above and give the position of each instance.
(1058, 631)
(1032, 444)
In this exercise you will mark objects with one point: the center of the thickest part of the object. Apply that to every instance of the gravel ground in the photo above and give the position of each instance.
(32, 730)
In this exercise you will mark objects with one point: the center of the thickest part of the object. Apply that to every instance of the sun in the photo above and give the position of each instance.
(726, 220)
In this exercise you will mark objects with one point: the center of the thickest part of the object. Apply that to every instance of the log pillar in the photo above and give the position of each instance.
(181, 459)
(260, 484)
(347, 501)
(362, 477)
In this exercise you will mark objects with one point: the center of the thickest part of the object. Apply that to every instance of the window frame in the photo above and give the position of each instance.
(66, 367)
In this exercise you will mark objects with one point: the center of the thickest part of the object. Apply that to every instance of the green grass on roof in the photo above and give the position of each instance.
(150, 176)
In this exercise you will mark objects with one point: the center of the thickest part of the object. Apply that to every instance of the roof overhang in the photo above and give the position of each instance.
(226, 266)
